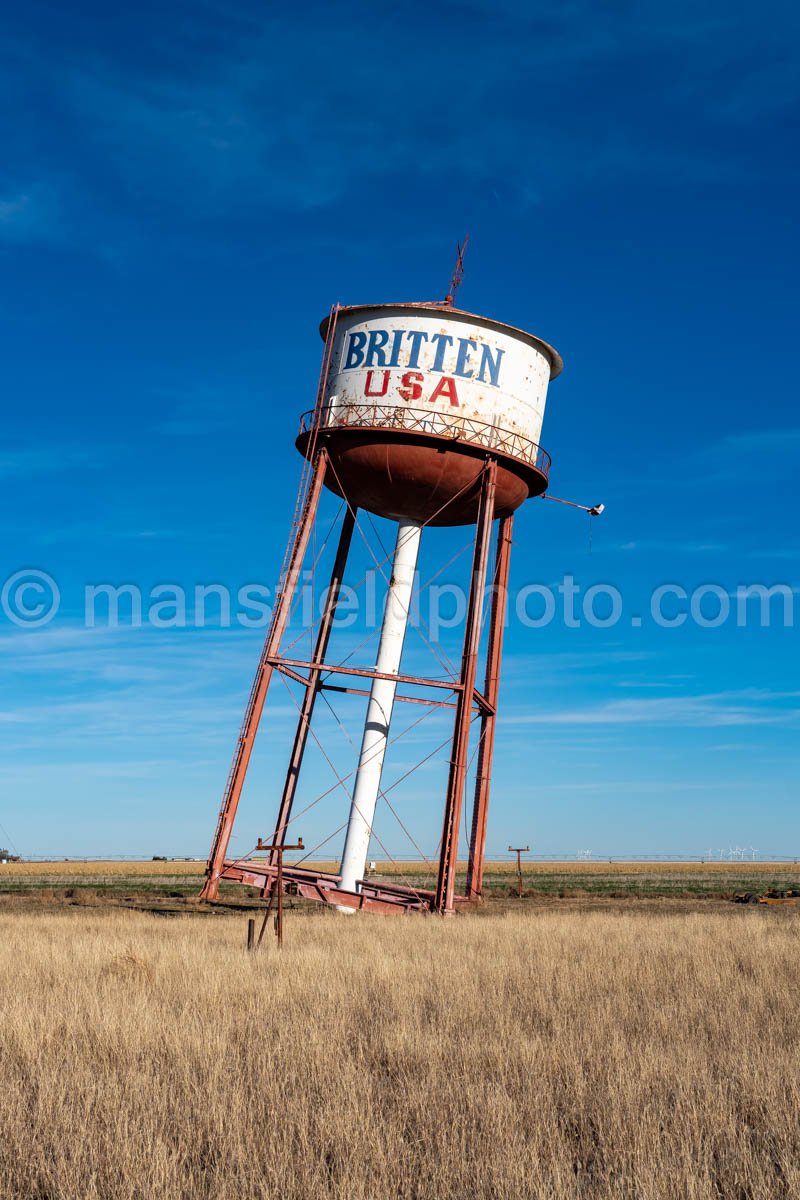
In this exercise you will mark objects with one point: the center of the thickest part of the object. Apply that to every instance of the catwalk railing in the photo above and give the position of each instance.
(433, 423)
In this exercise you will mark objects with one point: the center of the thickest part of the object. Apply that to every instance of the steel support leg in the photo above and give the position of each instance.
(446, 882)
(312, 688)
(477, 845)
(258, 693)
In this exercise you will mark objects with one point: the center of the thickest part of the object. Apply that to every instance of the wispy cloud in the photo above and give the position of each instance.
(680, 547)
(39, 460)
(124, 690)
(217, 122)
(775, 450)
(790, 551)
(747, 707)
(194, 416)
(762, 441)
(29, 213)
(13, 209)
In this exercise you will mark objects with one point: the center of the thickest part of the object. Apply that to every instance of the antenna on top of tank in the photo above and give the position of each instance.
(458, 273)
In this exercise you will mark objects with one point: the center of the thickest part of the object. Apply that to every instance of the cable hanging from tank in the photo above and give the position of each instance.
(382, 793)
(341, 782)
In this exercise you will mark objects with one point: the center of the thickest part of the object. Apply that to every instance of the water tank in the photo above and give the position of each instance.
(416, 395)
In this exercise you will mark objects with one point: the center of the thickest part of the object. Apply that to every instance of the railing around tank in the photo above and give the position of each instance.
(438, 424)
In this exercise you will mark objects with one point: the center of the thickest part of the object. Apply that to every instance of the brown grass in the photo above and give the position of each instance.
(543, 1055)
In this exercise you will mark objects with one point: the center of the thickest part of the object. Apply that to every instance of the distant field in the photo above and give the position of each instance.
(78, 867)
(590, 1055)
(72, 869)
(96, 882)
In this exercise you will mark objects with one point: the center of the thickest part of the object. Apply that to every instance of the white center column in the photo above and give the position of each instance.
(379, 709)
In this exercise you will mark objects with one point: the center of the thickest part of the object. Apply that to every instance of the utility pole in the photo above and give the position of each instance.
(519, 851)
(276, 848)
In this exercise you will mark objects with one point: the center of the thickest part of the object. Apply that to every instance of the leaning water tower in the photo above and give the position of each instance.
(429, 416)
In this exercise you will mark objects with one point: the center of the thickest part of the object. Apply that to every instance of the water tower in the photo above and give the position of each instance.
(429, 416)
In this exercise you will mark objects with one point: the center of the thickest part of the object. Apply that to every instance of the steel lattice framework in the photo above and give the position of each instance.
(316, 674)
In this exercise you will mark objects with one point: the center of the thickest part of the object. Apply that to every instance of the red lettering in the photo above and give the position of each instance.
(368, 385)
(411, 389)
(446, 387)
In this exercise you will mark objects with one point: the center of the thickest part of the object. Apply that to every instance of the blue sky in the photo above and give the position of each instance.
(185, 190)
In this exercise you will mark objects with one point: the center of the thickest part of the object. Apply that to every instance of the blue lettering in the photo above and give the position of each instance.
(443, 340)
(355, 350)
(397, 338)
(463, 357)
(375, 355)
(416, 337)
(492, 364)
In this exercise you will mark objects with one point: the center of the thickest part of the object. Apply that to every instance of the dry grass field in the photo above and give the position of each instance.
(548, 1054)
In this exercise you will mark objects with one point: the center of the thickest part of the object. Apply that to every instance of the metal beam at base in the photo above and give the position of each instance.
(322, 886)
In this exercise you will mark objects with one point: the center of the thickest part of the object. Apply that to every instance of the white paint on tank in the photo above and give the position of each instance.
(457, 367)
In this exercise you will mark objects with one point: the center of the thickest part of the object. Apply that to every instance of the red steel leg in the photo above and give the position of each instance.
(477, 845)
(312, 687)
(446, 882)
(258, 694)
